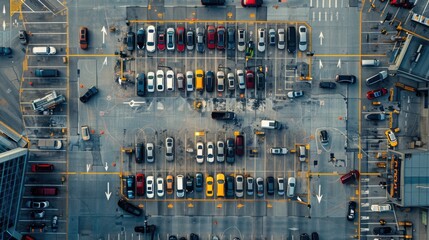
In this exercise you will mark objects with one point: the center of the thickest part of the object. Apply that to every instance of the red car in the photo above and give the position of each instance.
(180, 39)
(239, 145)
(403, 3)
(251, 3)
(376, 93)
(349, 177)
(211, 37)
(250, 79)
(161, 41)
(140, 184)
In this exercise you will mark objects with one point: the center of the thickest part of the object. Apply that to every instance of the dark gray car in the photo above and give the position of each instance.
(200, 39)
(131, 41)
(231, 38)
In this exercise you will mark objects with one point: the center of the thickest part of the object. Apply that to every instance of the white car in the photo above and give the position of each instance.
(381, 207)
(160, 187)
(241, 41)
(150, 153)
(170, 39)
(220, 151)
(281, 39)
(151, 39)
(200, 152)
(160, 81)
(261, 40)
(295, 94)
(302, 30)
(150, 187)
(38, 205)
(240, 79)
(150, 82)
(189, 81)
(210, 152)
(220, 81)
(170, 80)
(231, 80)
(278, 151)
(291, 186)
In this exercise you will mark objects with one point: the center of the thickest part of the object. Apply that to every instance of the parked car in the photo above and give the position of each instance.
(259, 187)
(37, 204)
(210, 79)
(150, 187)
(240, 79)
(230, 151)
(169, 153)
(140, 78)
(160, 80)
(280, 186)
(260, 80)
(291, 182)
(250, 79)
(140, 180)
(161, 41)
(189, 81)
(251, 3)
(231, 80)
(239, 145)
(376, 93)
(230, 187)
(261, 39)
(239, 186)
(209, 186)
(220, 185)
(278, 150)
(131, 186)
(220, 157)
(241, 41)
(201, 39)
(351, 212)
(151, 38)
(220, 81)
(272, 37)
(160, 187)
(180, 81)
(220, 37)
(39, 214)
(170, 80)
(270, 185)
(190, 40)
(302, 30)
(139, 152)
(199, 182)
(54, 223)
(210, 152)
(170, 184)
(141, 39)
(375, 116)
(382, 231)
(200, 152)
(391, 138)
(89, 94)
(250, 186)
(211, 37)
(181, 40)
(281, 41)
(151, 82)
(171, 41)
(231, 38)
(129, 207)
(324, 137)
(150, 153)
(381, 207)
(328, 85)
(295, 94)
(83, 38)
(23, 37)
(131, 41)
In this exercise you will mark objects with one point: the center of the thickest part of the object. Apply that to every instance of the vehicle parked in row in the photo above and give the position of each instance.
(161, 41)
(240, 79)
(83, 38)
(280, 186)
(259, 187)
(376, 93)
(170, 184)
(270, 185)
(220, 37)
(169, 145)
(200, 152)
(230, 151)
(261, 40)
(170, 80)
(190, 39)
(220, 156)
(131, 179)
(375, 116)
(231, 80)
(199, 182)
(220, 81)
(37, 204)
(211, 37)
(210, 152)
(140, 184)
(351, 212)
(23, 37)
(151, 82)
(291, 182)
(231, 38)
(230, 187)
(381, 207)
(139, 152)
(189, 81)
(150, 152)
(239, 145)
(201, 39)
(141, 39)
(278, 150)
(281, 44)
(239, 186)
(171, 40)
(209, 186)
(272, 37)
(382, 231)
(250, 184)
(295, 94)
(54, 223)
(302, 38)
(151, 38)
(160, 80)
(140, 79)
(181, 40)
(180, 81)
(160, 187)
(150, 187)
(210, 80)
(131, 41)
(180, 186)
(250, 79)
(220, 185)
(241, 41)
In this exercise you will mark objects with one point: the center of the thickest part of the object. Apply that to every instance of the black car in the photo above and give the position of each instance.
(23, 37)
(351, 212)
(189, 184)
(229, 187)
(129, 208)
(141, 39)
(260, 80)
(131, 41)
(210, 79)
(329, 85)
(89, 94)
(314, 236)
(220, 38)
(324, 137)
(139, 151)
(382, 230)
(140, 84)
(54, 223)
(230, 151)
(4, 51)
(375, 116)
(270, 185)
(304, 236)
(199, 182)
(194, 236)
(231, 38)
(172, 237)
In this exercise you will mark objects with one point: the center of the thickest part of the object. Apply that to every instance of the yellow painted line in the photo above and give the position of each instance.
(350, 55)
(170, 205)
(400, 28)
(240, 205)
(269, 205)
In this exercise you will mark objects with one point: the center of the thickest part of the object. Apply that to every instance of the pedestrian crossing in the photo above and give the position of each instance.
(326, 10)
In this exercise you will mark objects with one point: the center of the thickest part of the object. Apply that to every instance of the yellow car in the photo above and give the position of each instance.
(391, 138)
(209, 186)
(220, 185)
(199, 80)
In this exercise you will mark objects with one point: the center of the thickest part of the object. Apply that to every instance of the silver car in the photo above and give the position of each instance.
(240, 79)
(180, 81)
(239, 186)
(200, 152)
(220, 151)
(150, 82)
(291, 187)
(241, 43)
(170, 39)
(200, 39)
(160, 81)
(220, 81)
(169, 153)
(281, 186)
(210, 152)
(231, 80)
(150, 187)
(160, 187)
(261, 40)
(189, 81)
(302, 30)
(281, 41)
(249, 186)
(150, 153)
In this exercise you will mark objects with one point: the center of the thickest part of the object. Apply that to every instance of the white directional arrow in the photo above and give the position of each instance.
(321, 38)
(4, 9)
(88, 167)
(320, 63)
(319, 196)
(106, 167)
(339, 63)
(105, 61)
(108, 193)
(103, 30)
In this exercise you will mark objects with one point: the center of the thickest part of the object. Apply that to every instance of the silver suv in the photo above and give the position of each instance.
(169, 153)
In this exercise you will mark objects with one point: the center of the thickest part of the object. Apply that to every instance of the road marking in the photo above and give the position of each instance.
(311, 3)
(320, 16)
(332, 16)
(329, 4)
(314, 16)
(317, 3)
(326, 16)
(323, 3)
(336, 3)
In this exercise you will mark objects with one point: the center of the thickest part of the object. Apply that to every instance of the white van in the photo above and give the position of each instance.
(44, 50)
(370, 63)
(270, 124)
(180, 190)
